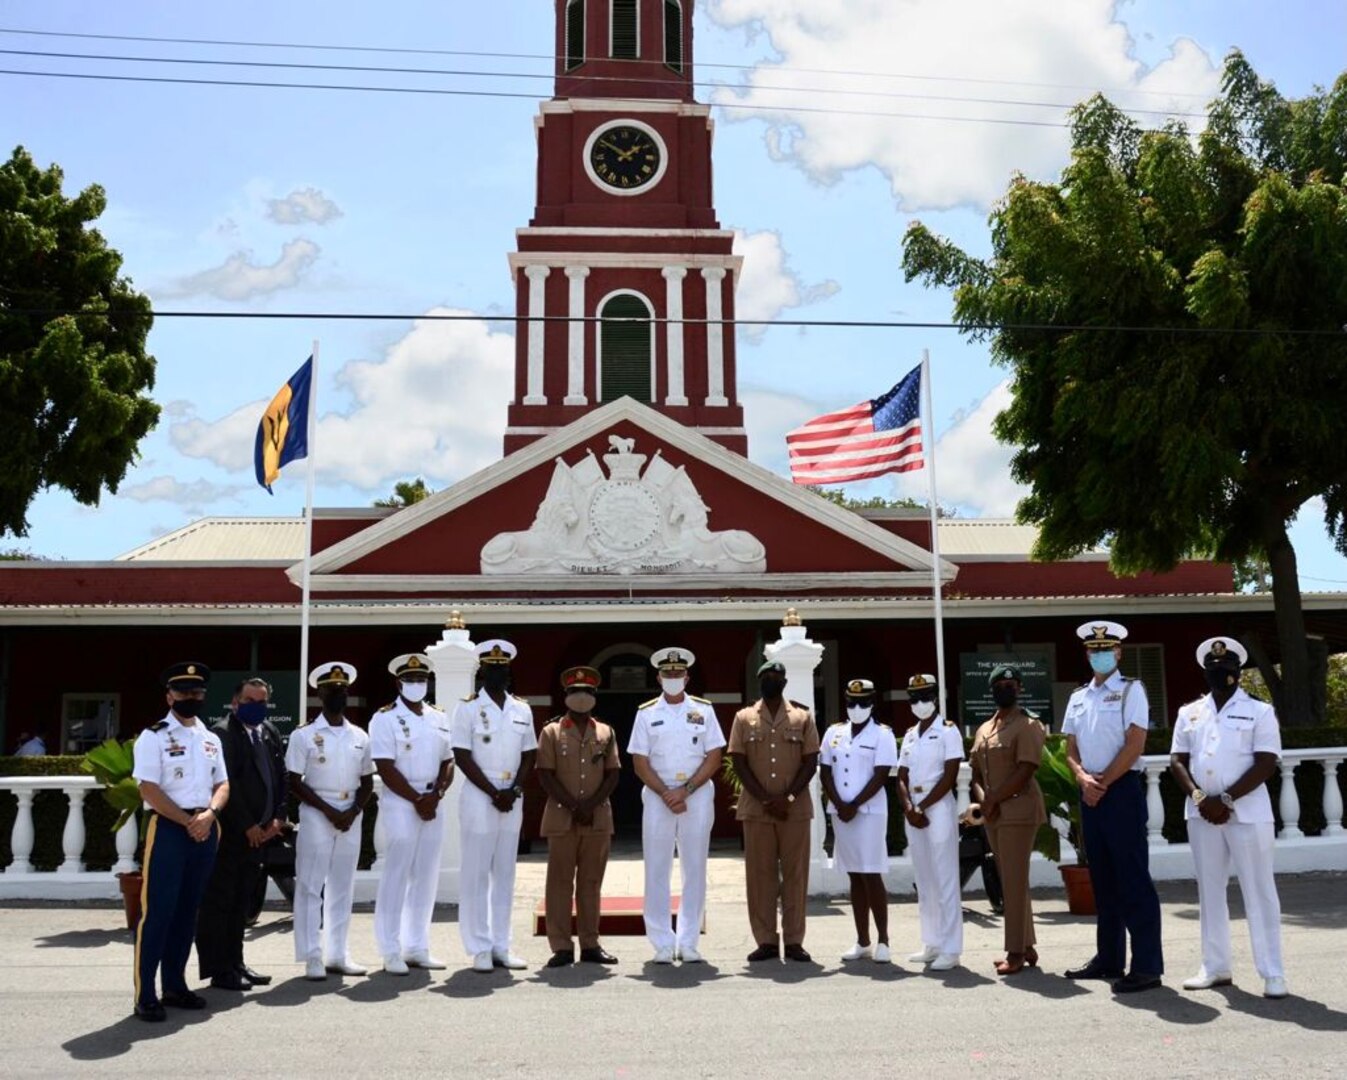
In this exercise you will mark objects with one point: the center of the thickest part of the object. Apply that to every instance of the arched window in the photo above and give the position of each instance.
(673, 35)
(626, 346)
(575, 34)
(625, 32)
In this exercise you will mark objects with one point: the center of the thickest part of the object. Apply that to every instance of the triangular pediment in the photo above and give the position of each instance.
(622, 495)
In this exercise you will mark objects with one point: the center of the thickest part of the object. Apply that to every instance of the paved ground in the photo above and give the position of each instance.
(65, 989)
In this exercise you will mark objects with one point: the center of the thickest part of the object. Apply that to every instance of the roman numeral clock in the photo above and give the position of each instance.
(626, 157)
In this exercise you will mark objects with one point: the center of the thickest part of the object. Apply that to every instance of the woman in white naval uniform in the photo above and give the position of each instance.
(409, 741)
(1226, 747)
(332, 775)
(928, 767)
(676, 747)
(494, 748)
(856, 760)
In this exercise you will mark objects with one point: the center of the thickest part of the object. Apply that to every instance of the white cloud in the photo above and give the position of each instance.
(195, 496)
(768, 416)
(303, 205)
(767, 285)
(434, 406)
(240, 278)
(913, 56)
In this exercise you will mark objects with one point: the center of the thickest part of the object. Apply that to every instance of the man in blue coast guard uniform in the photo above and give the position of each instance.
(180, 767)
(409, 742)
(494, 748)
(676, 747)
(1226, 747)
(1105, 728)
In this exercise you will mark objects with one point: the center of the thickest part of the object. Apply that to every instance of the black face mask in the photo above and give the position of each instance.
(1005, 695)
(334, 704)
(772, 686)
(495, 676)
(1221, 678)
(190, 707)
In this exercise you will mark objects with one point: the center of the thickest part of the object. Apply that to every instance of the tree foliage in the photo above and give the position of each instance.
(73, 402)
(1172, 312)
(406, 493)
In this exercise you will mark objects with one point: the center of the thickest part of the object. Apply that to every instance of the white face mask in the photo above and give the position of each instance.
(859, 714)
(414, 691)
(673, 687)
(923, 710)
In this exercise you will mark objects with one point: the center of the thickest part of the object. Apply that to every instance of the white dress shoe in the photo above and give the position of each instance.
(690, 956)
(1204, 981)
(347, 967)
(944, 962)
(508, 961)
(883, 955)
(424, 960)
(395, 965)
(1275, 987)
(482, 962)
(923, 957)
(314, 970)
(664, 956)
(856, 952)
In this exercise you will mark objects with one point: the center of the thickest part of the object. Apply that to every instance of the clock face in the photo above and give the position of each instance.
(625, 158)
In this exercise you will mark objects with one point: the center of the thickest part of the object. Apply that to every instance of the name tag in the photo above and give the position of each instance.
(656, 723)
(522, 723)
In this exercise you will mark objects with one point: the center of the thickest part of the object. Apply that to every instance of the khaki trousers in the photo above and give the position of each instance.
(576, 862)
(776, 869)
(1012, 845)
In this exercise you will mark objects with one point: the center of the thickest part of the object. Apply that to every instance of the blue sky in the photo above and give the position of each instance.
(268, 200)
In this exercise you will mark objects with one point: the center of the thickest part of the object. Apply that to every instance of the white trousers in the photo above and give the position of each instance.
(325, 862)
(405, 902)
(661, 832)
(490, 843)
(1247, 847)
(935, 859)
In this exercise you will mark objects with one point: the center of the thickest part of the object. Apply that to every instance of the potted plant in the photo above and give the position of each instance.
(111, 764)
(1061, 797)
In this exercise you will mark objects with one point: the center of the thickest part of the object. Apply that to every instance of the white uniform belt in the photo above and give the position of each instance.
(496, 774)
(324, 793)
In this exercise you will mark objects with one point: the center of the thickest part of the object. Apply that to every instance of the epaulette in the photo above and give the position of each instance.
(468, 697)
(159, 726)
(1030, 714)
(516, 697)
(389, 707)
(699, 700)
(647, 704)
(798, 704)
(881, 723)
(950, 723)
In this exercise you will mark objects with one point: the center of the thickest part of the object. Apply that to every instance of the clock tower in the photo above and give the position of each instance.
(624, 271)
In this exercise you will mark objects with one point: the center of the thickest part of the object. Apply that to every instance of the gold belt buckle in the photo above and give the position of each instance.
(680, 776)
(918, 790)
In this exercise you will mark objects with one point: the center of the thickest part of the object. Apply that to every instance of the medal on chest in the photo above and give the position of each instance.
(486, 726)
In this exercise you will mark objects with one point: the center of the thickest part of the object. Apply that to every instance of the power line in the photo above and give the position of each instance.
(551, 59)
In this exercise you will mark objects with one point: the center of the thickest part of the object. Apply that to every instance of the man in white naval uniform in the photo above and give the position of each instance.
(494, 748)
(676, 746)
(332, 775)
(1226, 747)
(409, 742)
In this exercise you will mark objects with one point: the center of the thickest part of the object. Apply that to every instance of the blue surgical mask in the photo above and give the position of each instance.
(1103, 662)
(251, 713)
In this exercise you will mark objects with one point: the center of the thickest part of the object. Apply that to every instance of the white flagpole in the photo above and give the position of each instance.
(312, 425)
(937, 586)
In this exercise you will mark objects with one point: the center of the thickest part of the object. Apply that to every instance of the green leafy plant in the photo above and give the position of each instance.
(1061, 797)
(111, 765)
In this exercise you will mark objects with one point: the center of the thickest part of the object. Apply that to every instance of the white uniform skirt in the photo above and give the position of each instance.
(860, 846)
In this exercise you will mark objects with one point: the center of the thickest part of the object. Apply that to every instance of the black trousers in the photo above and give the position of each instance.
(225, 907)
(175, 871)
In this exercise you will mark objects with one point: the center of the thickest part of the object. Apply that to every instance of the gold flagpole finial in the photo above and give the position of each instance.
(455, 621)
(792, 618)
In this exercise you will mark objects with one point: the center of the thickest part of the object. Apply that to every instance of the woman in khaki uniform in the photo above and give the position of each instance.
(1006, 753)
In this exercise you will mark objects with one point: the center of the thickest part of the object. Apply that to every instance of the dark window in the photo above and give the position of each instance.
(575, 34)
(625, 35)
(673, 35)
(625, 350)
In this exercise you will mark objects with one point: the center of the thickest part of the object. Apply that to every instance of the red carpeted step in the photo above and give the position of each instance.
(619, 916)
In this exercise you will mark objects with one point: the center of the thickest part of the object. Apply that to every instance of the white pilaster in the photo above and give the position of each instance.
(537, 276)
(575, 355)
(674, 327)
(715, 337)
(454, 660)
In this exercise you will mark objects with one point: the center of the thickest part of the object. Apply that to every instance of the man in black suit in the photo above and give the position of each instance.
(255, 759)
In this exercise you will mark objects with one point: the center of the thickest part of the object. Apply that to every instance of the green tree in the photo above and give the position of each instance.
(73, 402)
(877, 502)
(406, 493)
(1172, 313)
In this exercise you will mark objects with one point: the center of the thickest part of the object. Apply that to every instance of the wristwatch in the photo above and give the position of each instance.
(1229, 802)
(689, 787)
(516, 791)
(1198, 796)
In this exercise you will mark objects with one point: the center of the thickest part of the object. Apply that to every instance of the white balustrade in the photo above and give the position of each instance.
(1155, 805)
(21, 840)
(127, 840)
(72, 836)
(1332, 797)
(1289, 804)
(962, 787)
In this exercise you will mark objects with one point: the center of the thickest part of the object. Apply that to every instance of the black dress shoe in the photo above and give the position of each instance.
(1094, 970)
(1134, 983)
(797, 953)
(562, 958)
(254, 977)
(764, 952)
(231, 981)
(153, 1012)
(597, 956)
(184, 999)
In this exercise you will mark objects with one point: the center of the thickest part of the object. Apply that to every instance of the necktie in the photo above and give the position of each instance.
(263, 760)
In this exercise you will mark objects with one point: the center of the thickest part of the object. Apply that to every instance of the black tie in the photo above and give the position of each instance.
(263, 760)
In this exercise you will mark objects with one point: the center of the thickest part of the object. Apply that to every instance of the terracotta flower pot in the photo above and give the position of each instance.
(131, 885)
(1079, 891)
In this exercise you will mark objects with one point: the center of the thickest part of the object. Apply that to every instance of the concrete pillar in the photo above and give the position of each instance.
(575, 353)
(535, 334)
(454, 660)
(673, 300)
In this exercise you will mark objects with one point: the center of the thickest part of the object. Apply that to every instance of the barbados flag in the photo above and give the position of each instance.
(283, 434)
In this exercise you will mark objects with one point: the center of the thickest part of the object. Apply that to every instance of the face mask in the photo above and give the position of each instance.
(1103, 663)
(772, 687)
(414, 691)
(335, 703)
(189, 707)
(858, 714)
(581, 704)
(923, 710)
(495, 676)
(251, 713)
(673, 687)
(1005, 695)
(1220, 678)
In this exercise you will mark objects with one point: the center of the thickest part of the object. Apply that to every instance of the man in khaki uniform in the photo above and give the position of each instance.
(774, 745)
(578, 768)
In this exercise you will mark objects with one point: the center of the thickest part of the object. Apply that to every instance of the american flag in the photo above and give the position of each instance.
(867, 440)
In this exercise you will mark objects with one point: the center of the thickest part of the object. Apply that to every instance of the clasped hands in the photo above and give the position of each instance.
(676, 799)
(257, 835)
